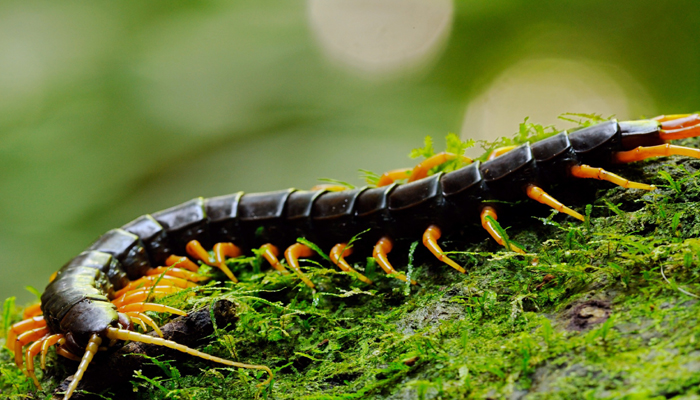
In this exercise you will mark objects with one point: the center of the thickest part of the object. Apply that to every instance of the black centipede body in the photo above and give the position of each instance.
(99, 294)
(77, 301)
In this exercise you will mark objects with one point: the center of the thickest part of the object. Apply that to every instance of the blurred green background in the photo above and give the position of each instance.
(109, 110)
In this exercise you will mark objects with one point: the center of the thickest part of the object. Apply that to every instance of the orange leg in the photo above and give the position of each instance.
(149, 281)
(195, 249)
(642, 153)
(48, 342)
(338, 254)
(32, 311)
(136, 321)
(389, 177)
(150, 307)
(430, 238)
(677, 121)
(500, 151)
(142, 294)
(26, 338)
(329, 187)
(491, 228)
(270, 252)
(381, 249)
(176, 272)
(420, 171)
(21, 327)
(145, 319)
(32, 352)
(586, 171)
(679, 126)
(670, 117)
(292, 255)
(182, 262)
(682, 133)
(221, 250)
(61, 351)
(537, 194)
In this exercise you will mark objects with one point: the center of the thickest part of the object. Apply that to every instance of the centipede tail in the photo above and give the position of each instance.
(99, 295)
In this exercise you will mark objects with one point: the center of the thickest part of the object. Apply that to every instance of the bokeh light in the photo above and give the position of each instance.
(381, 36)
(543, 89)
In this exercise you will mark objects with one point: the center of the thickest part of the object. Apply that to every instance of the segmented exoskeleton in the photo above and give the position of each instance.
(101, 292)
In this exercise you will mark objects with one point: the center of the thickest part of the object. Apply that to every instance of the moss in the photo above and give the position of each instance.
(602, 309)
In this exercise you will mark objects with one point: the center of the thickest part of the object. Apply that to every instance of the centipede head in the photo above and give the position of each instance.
(86, 319)
(90, 350)
(118, 330)
(86, 326)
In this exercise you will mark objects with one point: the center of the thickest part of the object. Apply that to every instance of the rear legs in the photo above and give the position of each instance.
(671, 127)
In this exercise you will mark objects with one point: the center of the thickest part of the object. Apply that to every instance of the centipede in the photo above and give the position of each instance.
(96, 299)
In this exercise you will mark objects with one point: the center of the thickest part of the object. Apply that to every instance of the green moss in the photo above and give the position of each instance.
(602, 309)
